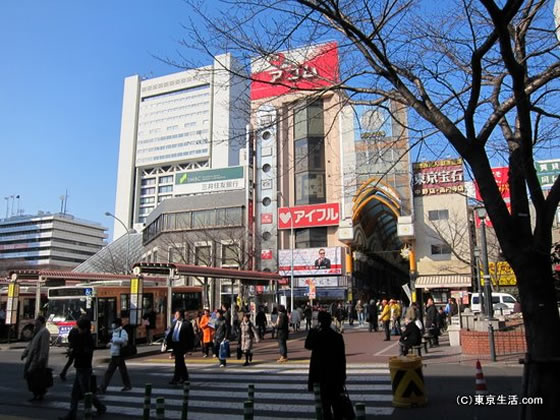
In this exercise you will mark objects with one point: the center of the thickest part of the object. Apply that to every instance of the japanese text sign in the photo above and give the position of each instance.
(501, 176)
(310, 261)
(438, 177)
(309, 216)
(547, 171)
(309, 67)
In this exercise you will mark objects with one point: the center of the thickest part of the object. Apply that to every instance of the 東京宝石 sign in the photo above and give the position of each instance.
(438, 177)
(309, 216)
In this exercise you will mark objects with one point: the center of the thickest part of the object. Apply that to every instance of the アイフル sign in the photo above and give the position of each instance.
(309, 216)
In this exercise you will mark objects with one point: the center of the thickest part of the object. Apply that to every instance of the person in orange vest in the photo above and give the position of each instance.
(207, 332)
(385, 318)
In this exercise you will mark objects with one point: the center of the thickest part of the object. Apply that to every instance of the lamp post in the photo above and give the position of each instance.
(482, 214)
(476, 257)
(291, 252)
(128, 232)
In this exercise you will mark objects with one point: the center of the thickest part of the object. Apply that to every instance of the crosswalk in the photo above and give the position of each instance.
(280, 392)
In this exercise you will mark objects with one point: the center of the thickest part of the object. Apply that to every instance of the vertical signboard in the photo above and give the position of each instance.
(501, 175)
(12, 304)
(136, 291)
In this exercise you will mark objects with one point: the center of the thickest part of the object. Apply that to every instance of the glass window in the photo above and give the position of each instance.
(234, 216)
(495, 299)
(168, 179)
(310, 188)
(442, 249)
(147, 200)
(315, 119)
(311, 238)
(163, 197)
(203, 218)
(125, 305)
(145, 210)
(203, 255)
(147, 301)
(509, 299)
(438, 214)
(148, 181)
(165, 188)
(230, 254)
(170, 221)
(183, 220)
(148, 191)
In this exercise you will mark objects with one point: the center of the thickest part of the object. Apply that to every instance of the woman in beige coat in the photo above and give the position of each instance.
(248, 335)
(36, 357)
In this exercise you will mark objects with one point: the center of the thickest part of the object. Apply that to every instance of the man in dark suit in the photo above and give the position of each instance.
(327, 366)
(180, 338)
(411, 336)
(322, 262)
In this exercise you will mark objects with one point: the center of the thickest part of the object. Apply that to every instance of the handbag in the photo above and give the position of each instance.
(239, 353)
(346, 406)
(224, 352)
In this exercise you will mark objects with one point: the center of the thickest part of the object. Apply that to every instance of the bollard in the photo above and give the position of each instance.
(251, 392)
(87, 406)
(318, 405)
(407, 381)
(248, 410)
(186, 389)
(160, 408)
(360, 411)
(147, 402)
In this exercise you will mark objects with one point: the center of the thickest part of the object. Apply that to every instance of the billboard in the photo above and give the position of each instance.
(210, 180)
(309, 216)
(310, 261)
(438, 177)
(501, 176)
(547, 171)
(309, 67)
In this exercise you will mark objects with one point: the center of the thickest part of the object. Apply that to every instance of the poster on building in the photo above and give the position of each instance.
(501, 176)
(323, 281)
(310, 261)
(547, 172)
(309, 216)
(310, 67)
(210, 180)
(438, 177)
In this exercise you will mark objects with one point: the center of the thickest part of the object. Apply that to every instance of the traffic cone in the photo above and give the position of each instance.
(480, 387)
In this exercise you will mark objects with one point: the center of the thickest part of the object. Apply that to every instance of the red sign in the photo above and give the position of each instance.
(310, 67)
(438, 177)
(501, 176)
(309, 216)
(266, 254)
(266, 218)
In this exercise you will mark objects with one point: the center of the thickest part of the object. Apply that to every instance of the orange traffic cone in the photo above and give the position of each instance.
(480, 387)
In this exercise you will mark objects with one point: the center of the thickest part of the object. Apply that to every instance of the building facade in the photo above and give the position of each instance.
(176, 124)
(49, 241)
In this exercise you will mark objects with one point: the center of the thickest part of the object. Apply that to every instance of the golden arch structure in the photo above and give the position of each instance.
(378, 269)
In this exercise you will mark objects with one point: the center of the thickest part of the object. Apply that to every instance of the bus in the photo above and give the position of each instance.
(103, 301)
(23, 329)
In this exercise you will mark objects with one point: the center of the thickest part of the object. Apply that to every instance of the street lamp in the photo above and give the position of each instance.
(482, 214)
(291, 252)
(128, 232)
(476, 256)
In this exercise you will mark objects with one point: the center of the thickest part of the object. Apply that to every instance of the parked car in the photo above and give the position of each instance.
(500, 302)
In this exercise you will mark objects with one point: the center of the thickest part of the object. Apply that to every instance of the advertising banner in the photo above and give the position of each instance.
(501, 274)
(309, 216)
(211, 180)
(547, 171)
(136, 294)
(310, 261)
(327, 281)
(310, 67)
(438, 177)
(12, 304)
(501, 176)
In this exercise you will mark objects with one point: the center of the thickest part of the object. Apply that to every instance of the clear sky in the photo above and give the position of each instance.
(61, 84)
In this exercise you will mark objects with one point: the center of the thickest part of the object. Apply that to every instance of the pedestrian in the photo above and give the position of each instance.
(308, 314)
(412, 312)
(432, 322)
(283, 333)
(221, 334)
(350, 313)
(395, 317)
(248, 335)
(360, 312)
(36, 357)
(260, 320)
(339, 315)
(197, 331)
(149, 321)
(410, 337)
(385, 318)
(273, 321)
(69, 352)
(296, 319)
(441, 320)
(118, 341)
(83, 355)
(327, 366)
(181, 340)
(207, 328)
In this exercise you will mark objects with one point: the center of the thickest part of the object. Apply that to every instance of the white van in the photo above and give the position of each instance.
(497, 298)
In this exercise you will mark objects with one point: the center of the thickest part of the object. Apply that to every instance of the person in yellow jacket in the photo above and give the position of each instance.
(395, 316)
(385, 318)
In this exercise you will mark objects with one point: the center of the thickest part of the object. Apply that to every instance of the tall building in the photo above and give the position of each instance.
(177, 124)
(48, 241)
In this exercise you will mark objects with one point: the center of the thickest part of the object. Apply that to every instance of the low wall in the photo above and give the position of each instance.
(505, 342)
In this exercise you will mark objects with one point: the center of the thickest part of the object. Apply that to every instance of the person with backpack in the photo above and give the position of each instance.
(248, 335)
(119, 342)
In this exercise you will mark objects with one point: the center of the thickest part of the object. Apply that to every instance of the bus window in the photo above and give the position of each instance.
(147, 301)
(28, 308)
(69, 309)
(125, 305)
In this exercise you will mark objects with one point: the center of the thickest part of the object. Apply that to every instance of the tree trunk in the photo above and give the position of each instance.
(542, 332)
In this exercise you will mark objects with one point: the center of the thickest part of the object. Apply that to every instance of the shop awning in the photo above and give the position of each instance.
(443, 281)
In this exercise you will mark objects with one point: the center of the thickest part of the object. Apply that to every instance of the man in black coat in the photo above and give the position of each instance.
(432, 322)
(327, 366)
(260, 321)
(282, 326)
(180, 339)
(411, 336)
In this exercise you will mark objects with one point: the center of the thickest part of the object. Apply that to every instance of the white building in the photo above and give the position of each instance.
(176, 124)
(48, 241)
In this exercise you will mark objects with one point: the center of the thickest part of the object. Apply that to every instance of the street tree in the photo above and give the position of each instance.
(480, 77)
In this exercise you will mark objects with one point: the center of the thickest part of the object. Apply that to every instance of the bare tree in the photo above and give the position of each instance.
(481, 75)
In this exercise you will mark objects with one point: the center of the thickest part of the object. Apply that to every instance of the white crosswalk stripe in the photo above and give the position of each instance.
(280, 393)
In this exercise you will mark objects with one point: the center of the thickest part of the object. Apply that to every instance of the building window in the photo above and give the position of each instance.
(203, 218)
(148, 191)
(230, 254)
(124, 305)
(183, 220)
(145, 210)
(203, 255)
(163, 197)
(147, 200)
(148, 181)
(165, 189)
(438, 214)
(168, 179)
(311, 238)
(441, 249)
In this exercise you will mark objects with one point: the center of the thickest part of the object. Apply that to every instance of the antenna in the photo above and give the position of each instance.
(65, 200)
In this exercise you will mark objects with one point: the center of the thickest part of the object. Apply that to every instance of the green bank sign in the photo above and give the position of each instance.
(547, 171)
(209, 175)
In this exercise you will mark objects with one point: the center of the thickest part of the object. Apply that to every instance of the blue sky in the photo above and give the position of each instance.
(61, 82)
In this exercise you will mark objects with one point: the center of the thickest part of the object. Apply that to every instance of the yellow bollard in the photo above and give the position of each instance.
(407, 381)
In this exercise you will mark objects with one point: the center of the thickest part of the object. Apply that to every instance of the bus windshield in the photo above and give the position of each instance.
(61, 310)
